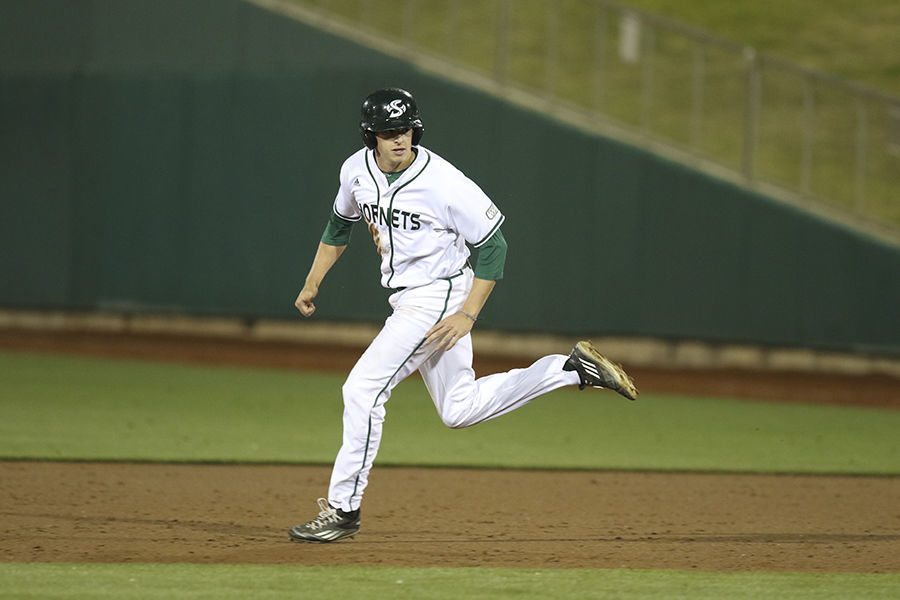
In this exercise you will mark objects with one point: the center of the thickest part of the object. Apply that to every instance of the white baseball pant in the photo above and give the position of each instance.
(460, 399)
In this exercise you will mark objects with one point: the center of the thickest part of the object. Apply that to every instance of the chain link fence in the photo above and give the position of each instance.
(795, 133)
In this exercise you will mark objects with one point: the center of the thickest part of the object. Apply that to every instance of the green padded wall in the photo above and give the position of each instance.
(182, 156)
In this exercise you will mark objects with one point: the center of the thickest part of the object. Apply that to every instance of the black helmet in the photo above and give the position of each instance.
(390, 108)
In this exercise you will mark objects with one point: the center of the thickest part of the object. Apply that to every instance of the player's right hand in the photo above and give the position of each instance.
(449, 331)
(304, 301)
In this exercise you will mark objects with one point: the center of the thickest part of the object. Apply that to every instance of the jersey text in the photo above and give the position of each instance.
(396, 218)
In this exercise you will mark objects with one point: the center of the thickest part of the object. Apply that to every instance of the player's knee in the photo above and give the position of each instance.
(454, 420)
(361, 395)
(353, 397)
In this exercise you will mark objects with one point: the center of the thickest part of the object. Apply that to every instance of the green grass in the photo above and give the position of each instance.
(853, 39)
(68, 407)
(63, 407)
(224, 582)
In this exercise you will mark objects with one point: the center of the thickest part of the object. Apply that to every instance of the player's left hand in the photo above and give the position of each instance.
(449, 331)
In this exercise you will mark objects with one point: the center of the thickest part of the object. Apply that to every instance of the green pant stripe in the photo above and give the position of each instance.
(391, 378)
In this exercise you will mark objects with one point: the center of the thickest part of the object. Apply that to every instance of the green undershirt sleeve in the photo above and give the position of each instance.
(337, 232)
(491, 258)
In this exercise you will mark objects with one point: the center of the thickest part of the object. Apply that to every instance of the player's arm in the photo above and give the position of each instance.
(488, 270)
(477, 298)
(333, 243)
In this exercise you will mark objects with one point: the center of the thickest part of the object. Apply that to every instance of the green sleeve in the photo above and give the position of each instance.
(337, 232)
(491, 258)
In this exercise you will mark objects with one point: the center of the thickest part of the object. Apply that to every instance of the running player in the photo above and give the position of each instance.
(422, 212)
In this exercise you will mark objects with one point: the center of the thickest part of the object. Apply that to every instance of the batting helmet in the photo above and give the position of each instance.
(386, 109)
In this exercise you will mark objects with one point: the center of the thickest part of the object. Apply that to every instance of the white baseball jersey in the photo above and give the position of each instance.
(420, 222)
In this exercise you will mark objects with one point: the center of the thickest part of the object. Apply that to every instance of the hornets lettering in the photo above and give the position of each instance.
(394, 218)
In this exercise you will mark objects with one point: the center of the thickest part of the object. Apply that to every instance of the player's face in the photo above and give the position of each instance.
(393, 150)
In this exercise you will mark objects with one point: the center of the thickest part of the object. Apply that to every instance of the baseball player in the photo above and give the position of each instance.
(422, 212)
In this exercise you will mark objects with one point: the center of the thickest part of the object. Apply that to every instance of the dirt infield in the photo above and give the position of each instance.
(88, 512)
(453, 517)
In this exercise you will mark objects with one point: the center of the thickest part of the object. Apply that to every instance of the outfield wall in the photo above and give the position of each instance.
(181, 156)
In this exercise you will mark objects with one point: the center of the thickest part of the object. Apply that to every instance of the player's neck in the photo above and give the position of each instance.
(399, 167)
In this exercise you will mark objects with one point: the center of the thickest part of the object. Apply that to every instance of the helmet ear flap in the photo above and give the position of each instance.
(417, 135)
(368, 138)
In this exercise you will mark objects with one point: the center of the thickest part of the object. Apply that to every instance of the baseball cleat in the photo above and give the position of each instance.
(597, 371)
(331, 525)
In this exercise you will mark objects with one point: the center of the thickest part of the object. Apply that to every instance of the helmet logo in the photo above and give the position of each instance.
(396, 108)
